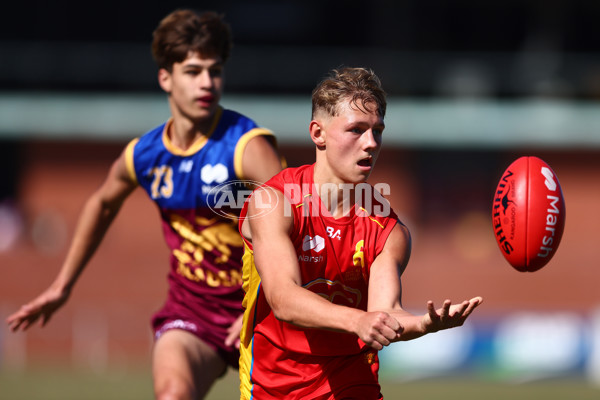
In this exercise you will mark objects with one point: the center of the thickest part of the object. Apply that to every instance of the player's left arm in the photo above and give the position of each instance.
(385, 291)
(260, 160)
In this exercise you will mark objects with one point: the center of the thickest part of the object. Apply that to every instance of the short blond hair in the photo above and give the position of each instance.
(358, 85)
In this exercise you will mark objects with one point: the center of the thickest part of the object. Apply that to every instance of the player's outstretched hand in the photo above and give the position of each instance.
(379, 329)
(449, 315)
(42, 306)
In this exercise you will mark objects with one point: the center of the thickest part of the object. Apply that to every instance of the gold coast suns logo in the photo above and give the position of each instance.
(335, 291)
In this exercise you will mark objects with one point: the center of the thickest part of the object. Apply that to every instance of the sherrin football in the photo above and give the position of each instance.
(528, 214)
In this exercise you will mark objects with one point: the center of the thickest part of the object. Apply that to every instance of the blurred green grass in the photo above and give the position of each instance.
(66, 384)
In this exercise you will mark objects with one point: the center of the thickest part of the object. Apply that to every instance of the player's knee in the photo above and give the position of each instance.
(175, 389)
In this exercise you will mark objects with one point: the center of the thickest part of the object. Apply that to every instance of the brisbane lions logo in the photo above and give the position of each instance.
(208, 235)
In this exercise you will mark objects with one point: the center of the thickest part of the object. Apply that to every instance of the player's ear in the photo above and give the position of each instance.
(165, 80)
(317, 133)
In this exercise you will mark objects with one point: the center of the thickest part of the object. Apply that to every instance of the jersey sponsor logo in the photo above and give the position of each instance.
(316, 243)
(214, 173)
(312, 259)
(333, 233)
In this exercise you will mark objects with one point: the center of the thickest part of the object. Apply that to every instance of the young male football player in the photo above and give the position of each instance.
(324, 256)
(180, 164)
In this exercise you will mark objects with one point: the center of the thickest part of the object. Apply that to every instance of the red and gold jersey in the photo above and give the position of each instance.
(279, 359)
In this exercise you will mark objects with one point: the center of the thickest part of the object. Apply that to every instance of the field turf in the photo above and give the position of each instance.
(45, 384)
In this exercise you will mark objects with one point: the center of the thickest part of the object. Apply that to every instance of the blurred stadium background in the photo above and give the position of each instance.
(472, 85)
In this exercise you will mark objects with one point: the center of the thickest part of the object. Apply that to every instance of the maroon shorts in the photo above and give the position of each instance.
(209, 324)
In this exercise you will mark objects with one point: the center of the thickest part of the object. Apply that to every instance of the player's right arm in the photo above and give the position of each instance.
(385, 292)
(277, 265)
(94, 220)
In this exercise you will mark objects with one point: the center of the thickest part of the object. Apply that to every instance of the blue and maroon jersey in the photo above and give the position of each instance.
(334, 256)
(206, 249)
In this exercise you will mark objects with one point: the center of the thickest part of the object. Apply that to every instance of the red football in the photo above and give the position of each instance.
(528, 214)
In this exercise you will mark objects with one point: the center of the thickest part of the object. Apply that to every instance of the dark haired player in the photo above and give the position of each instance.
(178, 163)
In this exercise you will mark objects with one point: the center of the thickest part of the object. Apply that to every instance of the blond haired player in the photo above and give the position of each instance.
(324, 259)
